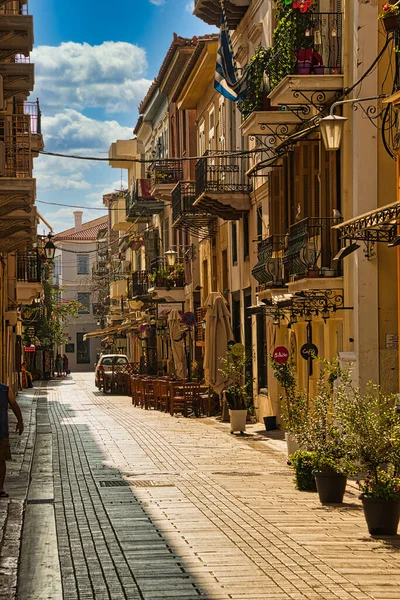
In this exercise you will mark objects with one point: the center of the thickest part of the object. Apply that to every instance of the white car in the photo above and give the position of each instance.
(106, 362)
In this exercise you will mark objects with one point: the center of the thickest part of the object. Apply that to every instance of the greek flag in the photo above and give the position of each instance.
(226, 81)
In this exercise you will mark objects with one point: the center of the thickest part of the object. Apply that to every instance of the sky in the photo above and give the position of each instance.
(93, 67)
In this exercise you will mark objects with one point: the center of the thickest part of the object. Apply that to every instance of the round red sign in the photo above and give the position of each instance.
(281, 355)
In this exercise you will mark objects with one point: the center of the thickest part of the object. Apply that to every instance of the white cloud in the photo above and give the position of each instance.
(109, 76)
(157, 2)
(190, 6)
(71, 131)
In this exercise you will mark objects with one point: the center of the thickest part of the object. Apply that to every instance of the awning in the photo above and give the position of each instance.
(99, 333)
(379, 225)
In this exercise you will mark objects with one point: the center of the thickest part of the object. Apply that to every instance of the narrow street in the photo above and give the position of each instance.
(127, 503)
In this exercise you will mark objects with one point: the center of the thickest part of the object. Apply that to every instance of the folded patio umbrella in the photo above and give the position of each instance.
(218, 334)
(177, 345)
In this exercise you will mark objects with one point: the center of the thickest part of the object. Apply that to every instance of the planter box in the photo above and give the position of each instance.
(391, 24)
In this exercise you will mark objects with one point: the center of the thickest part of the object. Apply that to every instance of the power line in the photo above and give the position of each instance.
(228, 154)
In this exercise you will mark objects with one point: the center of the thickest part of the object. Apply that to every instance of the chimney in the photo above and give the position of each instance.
(78, 220)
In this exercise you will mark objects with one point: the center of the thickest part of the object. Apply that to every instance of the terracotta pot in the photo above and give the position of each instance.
(382, 516)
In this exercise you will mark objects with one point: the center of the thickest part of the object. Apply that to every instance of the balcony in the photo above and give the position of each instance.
(310, 248)
(140, 204)
(121, 151)
(184, 214)
(167, 282)
(18, 230)
(118, 213)
(18, 78)
(138, 284)
(269, 270)
(165, 174)
(118, 288)
(315, 76)
(276, 125)
(15, 147)
(32, 110)
(222, 187)
(16, 30)
(209, 11)
(29, 271)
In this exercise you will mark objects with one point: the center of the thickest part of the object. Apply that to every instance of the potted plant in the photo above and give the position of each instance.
(238, 394)
(372, 422)
(323, 434)
(303, 463)
(293, 402)
(304, 61)
(255, 95)
(390, 17)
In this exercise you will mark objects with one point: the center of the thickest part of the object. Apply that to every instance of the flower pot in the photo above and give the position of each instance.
(330, 486)
(318, 70)
(303, 67)
(382, 516)
(238, 420)
(313, 273)
(270, 423)
(391, 23)
(291, 443)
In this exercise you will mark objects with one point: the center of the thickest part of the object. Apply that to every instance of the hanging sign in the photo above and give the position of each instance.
(189, 318)
(309, 351)
(280, 355)
(29, 348)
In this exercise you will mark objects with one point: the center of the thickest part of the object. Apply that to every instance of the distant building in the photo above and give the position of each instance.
(73, 265)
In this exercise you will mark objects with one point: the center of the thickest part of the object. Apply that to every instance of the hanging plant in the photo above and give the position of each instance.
(257, 87)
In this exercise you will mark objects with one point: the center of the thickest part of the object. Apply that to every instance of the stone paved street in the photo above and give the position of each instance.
(148, 506)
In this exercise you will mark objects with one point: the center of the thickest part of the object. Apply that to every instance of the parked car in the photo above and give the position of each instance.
(106, 362)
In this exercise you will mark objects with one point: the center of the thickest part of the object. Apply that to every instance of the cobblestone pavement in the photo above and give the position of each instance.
(149, 506)
(11, 510)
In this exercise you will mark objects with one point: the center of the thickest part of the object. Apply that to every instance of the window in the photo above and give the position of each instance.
(246, 241)
(83, 264)
(82, 350)
(234, 244)
(84, 301)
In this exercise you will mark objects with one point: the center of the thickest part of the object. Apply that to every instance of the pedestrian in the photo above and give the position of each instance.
(7, 399)
(26, 376)
(59, 365)
(65, 365)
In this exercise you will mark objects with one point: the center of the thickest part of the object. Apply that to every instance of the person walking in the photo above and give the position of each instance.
(7, 399)
(65, 365)
(59, 365)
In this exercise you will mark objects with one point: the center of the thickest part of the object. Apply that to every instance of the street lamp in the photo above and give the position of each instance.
(49, 249)
(171, 255)
(332, 126)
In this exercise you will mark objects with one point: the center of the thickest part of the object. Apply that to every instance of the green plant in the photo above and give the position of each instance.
(372, 424)
(383, 484)
(294, 401)
(321, 431)
(256, 89)
(303, 463)
(234, 369)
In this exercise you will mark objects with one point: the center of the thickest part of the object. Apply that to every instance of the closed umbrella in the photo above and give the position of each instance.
(177, 346)
(218, 334)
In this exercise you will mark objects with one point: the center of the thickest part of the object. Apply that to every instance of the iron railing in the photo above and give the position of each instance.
(29, 267)
(311, 246)
(316, 45)
(138, 284)
(15, 135)
(183, 196)
(21, 59)
(14, 8)
(167, 277)
(166, 171)
(220, 172)
(269, 270)
(32, 109)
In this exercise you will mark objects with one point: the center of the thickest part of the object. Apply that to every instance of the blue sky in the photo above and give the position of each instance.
(92, 69)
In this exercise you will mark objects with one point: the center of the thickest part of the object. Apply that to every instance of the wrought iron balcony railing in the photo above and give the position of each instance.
(269, 270)
(166, 171)
(310, 248)
(138, 284)
(32, 109)
(14, 8)
(140, 202)
(29, 267)
(220, 172)
(163, 276)
(183, 196)
(316, 46)
(15, 136)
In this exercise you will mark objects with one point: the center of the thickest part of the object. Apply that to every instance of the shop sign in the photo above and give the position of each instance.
(280, 355)
(308, 351)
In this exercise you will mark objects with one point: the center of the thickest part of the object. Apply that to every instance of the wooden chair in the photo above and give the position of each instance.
(135, 392)
(148, 394)
(185, 398)
(165, 395)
